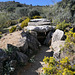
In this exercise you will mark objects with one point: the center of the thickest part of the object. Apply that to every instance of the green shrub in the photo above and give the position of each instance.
(3, 18)
(11, 22)
(73, 7)
(63, 67)
(10, 9)
(21, 19)
(23, 11)
(34, 13)
(62, 25)
(12, 29)
(25, 23)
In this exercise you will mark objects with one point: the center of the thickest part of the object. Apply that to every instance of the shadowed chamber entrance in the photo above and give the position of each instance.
(41, 36)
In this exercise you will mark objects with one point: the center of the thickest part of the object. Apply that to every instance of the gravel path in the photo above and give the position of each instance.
(35, 68)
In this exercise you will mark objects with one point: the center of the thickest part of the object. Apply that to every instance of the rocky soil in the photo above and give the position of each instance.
(26, 45)
(35, 68)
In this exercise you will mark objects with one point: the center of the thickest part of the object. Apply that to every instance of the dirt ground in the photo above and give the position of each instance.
(35, 68)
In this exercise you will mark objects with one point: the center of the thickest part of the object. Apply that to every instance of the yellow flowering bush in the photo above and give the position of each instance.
(69, 47)
(63, 67)
(12, 29)
(70, 40)
(64, 61)
(67, 72)
(0, 33)
(62, 25)
(25, 23)
(35, 17)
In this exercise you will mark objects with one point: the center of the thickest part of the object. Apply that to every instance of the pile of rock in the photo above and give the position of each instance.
(39, 22)
(42, 27)
(61, 51)
(58, 41)
(20, 46)
(3, 57)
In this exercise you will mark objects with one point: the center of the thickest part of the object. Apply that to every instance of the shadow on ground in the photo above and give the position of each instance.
(31, 68)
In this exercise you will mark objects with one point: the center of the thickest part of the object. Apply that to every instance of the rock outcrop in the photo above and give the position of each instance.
(20, 39)
(57, 35)
(33, 43)
(11, 38)
(3, 57)
(42, 27)
(20, 47)
(21, 57)
(39, 22)
(57, 45)
(48, 39)
(23, 44)
(34, 33)
(58, 41)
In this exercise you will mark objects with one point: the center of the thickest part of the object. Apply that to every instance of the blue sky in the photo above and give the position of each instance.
(34, 2)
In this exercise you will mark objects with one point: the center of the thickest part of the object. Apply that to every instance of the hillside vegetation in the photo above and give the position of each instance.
(11, 10)
(25, 28)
